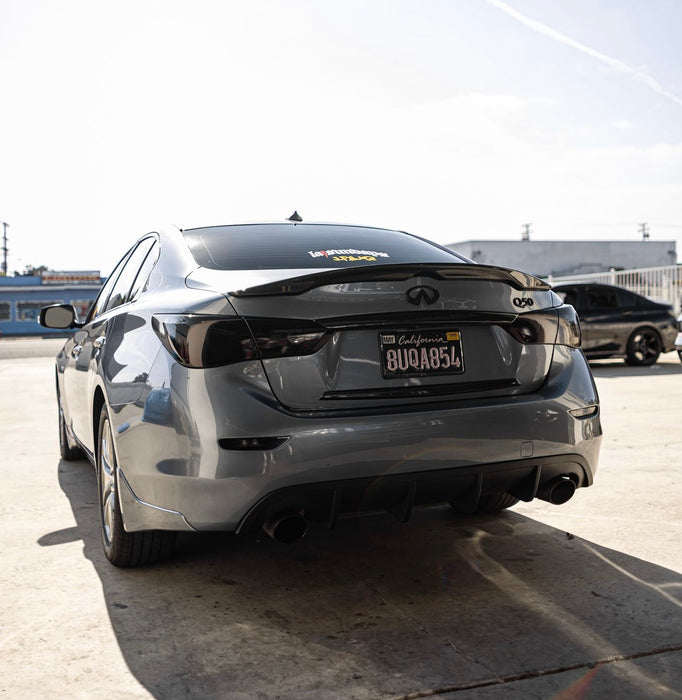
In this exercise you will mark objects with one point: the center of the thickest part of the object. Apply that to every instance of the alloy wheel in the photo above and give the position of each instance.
(107, 482)
(646, 346)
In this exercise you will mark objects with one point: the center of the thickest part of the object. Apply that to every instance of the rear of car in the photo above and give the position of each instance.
(275, 374)
(341, 369)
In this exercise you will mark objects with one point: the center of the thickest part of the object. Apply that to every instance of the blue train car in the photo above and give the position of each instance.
(21, 299)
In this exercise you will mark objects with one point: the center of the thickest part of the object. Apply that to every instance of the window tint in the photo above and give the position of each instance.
(119, 294)
(602, 298)
(98, 306)
(140, 283)
(626, 300)
(283, 246)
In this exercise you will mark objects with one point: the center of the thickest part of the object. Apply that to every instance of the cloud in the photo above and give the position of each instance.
(614, 63)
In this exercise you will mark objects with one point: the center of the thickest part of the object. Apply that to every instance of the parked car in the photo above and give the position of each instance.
(678, 339)
(619, 323)
(272, 375)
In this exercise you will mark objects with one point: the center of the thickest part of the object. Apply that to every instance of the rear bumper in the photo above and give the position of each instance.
(333, 463)
(400, 493)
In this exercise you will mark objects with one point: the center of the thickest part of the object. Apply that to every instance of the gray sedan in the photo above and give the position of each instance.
(277, 375)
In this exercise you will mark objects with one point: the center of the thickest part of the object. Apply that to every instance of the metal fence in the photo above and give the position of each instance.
(659, 283)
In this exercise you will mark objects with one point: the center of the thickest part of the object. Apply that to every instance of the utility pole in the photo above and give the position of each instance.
(644, 230)
(525, 235)
(4, 248)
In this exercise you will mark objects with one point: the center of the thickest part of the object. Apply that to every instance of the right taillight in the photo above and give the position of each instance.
(559, 326)
(214, 341)
(568, 332)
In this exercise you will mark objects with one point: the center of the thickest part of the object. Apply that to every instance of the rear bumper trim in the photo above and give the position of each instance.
(399, 493)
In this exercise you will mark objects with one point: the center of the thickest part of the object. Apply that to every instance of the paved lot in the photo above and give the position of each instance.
(578, 601)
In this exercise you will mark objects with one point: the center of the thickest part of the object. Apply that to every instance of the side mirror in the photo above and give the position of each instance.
(62, 316)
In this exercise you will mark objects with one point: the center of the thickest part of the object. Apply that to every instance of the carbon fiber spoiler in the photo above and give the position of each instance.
(384, 273)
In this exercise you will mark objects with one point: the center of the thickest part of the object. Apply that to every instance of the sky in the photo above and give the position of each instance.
(451, 119)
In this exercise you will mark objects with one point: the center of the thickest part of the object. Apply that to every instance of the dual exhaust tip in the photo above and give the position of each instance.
(290, 526)
(286, 527)
(558, 490)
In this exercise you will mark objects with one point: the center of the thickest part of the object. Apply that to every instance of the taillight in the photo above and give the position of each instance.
(214, 341)
(287, 337)
(569, 332)
(205, 341)
(558, 326)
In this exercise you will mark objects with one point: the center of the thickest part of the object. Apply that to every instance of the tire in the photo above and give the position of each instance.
(68, 453)
(122, 548)
(491, 503)
(679, 352)
(643, 347)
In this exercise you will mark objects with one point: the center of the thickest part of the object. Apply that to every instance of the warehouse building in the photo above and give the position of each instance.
(21, 299)
(563, 258)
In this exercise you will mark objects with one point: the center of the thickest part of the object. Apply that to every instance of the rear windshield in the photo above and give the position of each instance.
(301, 246)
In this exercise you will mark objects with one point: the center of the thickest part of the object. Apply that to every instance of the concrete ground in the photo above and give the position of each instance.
(578, 601)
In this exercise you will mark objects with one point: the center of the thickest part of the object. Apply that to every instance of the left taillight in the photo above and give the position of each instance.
(287, 337)
(205, 341)
(209, 341)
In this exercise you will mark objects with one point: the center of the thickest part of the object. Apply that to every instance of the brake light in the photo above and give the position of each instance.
(205, 341)
(569, 332)
(558, 326)
(210, 341)
(286, 337)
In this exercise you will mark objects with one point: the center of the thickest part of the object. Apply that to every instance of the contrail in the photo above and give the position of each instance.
(614, 63)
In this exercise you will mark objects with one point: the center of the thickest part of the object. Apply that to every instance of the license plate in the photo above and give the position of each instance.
(421, 353)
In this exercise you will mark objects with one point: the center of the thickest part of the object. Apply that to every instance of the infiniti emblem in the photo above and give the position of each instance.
(422, 295)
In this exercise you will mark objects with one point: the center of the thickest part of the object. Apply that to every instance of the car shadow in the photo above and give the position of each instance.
(617, 368)
(378, 609)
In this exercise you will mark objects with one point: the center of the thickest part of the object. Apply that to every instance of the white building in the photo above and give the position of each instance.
(560, 258)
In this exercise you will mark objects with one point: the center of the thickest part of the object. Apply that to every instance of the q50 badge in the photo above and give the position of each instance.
(522, 303)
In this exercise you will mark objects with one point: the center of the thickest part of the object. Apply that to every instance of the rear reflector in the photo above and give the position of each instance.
(585, 412)
(252, 443)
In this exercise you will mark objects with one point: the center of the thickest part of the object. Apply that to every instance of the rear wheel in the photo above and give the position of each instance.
(490, 503)
(120, 547)
(679, 352)
(643, 348)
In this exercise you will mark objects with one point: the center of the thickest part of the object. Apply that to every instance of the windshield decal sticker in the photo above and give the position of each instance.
(348, 255)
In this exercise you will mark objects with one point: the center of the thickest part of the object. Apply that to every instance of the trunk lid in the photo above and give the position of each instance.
(396, 334)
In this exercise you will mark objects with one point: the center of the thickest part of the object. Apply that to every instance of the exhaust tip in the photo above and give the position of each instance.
(286, 527)
(558, 491)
